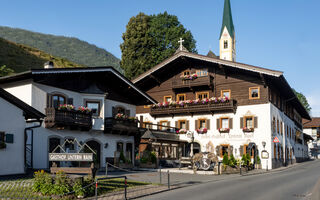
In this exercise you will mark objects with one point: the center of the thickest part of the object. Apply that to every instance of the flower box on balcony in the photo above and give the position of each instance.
(224, 130)
(182, 131)
(202, 131)
(247, 130)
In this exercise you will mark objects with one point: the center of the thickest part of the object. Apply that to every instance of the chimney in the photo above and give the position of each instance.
(48, 65)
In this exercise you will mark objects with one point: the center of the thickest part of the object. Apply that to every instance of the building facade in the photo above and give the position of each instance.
(64, 95)
(312, 128)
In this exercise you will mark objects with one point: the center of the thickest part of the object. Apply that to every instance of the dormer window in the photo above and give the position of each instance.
(225, 44)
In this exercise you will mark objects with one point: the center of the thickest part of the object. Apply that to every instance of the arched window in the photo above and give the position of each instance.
(57, 100)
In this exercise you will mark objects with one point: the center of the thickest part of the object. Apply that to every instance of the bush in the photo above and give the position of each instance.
(122, 158)
(225, 160)
(232, 161)
(42, 182)
(244, 159)
(248, 159)
(62, 184)
(149, 157)
(258, 160)
(78, 189)
(153, 157)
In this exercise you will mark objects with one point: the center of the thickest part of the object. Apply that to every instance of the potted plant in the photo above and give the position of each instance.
(224, 130)
(3, 145)
(247, 129)
(202, 130)
(182, 131)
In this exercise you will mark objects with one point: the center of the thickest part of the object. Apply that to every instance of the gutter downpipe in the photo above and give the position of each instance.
(25, 140)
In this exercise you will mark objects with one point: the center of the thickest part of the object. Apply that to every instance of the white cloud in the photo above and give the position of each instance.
(314, 101)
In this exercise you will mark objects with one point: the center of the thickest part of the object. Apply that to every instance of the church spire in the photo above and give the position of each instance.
(227, 34)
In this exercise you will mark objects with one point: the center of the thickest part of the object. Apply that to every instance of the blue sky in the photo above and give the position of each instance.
(276, 34)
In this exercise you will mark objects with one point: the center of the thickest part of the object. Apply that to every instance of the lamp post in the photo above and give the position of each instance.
(264, 146)
(190, 134)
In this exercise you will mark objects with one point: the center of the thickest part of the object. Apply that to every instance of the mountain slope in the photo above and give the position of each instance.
(21, 58)
(73, 49)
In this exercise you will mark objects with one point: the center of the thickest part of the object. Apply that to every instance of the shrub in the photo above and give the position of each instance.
(62, 184)
(258, 160)
(244, 159)
(232, 161)
(78, 189)
(248, 159)
(153, 157)
(122, 158)
(225, 160)
(42, 182)
(143, 160)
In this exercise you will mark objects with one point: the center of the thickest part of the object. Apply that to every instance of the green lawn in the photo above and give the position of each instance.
(22, 188)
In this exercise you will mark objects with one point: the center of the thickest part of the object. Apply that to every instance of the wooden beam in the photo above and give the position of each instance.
(263, 80)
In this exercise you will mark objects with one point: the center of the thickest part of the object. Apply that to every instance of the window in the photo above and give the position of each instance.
(167, 98)
(185, 73)
(120, 146)
(181, 97)
(202, 123)
(278, 126)
(274, 124)
(147, 125)
(225, 44)
(58, 100)
(226, 93)
(224, 122)
(164, 125)
(281, 128)
(2, 137)
(248, 121)
(69, 145)
(202, 95)
(254, 93)
(224, 150)
(202, 72)
(182, 124)
(94, 106)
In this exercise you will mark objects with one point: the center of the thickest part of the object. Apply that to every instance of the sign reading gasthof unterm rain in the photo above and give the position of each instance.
(71, 157)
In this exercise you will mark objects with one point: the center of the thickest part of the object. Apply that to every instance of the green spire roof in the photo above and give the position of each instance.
(227, 19)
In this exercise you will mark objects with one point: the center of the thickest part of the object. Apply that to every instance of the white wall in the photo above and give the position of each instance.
(21, 90)
(111, 103)
(236, 137)
(12, 122)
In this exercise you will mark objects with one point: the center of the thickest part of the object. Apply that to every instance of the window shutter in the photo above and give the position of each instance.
(241, 122)
(230, 123)
(255, 121)
(208, 124)
(127, 113)
(49, 100)
(70, 101)
(168, 124)
(241, 150)
(196, 124)
(218, 123)
(230, 149)
(141, 122)
(187, 124)
(114, 111)
(218, 151)
(158, 127)
(177, 125)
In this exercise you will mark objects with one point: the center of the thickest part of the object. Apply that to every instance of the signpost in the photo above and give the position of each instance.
(71, 157)
(276, 140)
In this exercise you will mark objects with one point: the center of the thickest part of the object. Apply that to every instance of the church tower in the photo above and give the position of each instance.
(227, 35)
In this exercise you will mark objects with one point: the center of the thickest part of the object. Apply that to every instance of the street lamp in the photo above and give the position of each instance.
(190, 134)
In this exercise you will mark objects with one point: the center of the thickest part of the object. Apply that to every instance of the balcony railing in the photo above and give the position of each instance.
(158, 127)
(227, 106)
(120, 126)
(200, 81)
(67, 118)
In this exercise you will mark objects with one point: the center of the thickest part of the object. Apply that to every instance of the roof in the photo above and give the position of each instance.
(227, 19)
(208, 59)
(314, 123)
(29, 112)
(98, 72)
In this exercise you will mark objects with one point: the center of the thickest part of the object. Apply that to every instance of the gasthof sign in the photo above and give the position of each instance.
(71, 157)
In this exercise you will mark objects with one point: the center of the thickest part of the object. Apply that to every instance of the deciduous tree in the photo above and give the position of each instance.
(303, 100)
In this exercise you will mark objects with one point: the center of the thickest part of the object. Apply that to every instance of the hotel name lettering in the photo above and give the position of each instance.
(70, 157)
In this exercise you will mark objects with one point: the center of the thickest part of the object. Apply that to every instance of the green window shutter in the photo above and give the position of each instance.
(208, 124)
(255, 121)
(230, 123)
(241, 122)
(218, 123)
(9, 138)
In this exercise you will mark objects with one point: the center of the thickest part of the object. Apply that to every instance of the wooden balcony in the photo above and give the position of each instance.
(228, 106)
(120, 126)
(67, 119)
(200, 81)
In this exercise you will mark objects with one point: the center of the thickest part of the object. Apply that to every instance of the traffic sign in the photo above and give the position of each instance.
(276, 140)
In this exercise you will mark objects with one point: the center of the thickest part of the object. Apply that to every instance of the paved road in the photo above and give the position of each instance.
(294, 183)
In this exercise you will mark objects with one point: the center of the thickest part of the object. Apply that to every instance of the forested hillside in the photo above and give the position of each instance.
(21, 58)
(73, 49)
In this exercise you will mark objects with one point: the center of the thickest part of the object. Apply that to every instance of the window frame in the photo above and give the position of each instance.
(221, 147)
(86, 101)
(161, 126)
(250, 91)
(181, 94)
(58, 95)
(182, 120)
(223, 91)
(164, 98)
(183, 73)
(227, 118)
(205, 121)
(205, 92)
(225, 44)
(200, 74)
(245, 121)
